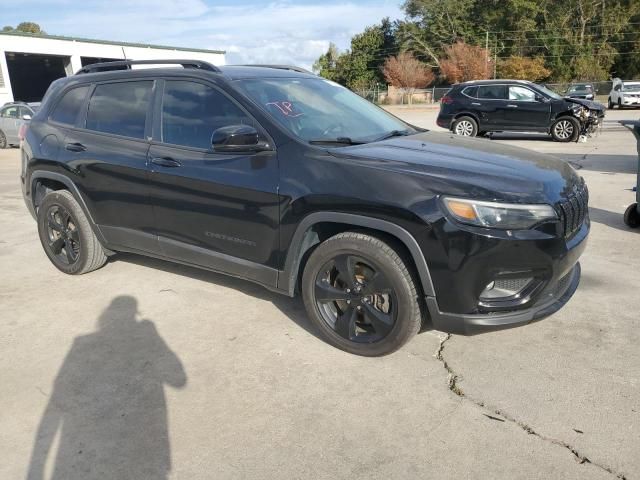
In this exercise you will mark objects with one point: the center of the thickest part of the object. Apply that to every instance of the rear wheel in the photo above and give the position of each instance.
(465, 127)
(3, 140)
(66, 236)
(360, 295)
(565, 129)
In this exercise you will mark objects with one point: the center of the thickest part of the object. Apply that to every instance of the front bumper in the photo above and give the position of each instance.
(555, 297)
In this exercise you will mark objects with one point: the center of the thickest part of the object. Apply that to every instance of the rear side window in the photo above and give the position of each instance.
(119, 108)
(68, 108)
(493, 92)
(471, 92)
(192, 111)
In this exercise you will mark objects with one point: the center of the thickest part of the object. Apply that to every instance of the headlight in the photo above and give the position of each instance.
(507, 216)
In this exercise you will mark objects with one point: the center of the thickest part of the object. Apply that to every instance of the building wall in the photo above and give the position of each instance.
(77, 48)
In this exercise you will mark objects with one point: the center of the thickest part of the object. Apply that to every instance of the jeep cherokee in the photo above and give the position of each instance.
(277, 176)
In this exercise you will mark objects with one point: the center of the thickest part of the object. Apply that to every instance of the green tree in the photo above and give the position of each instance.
(25, 27)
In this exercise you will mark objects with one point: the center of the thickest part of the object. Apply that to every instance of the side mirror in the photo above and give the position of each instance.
(26, 117)
(237, 138)
(540, 98)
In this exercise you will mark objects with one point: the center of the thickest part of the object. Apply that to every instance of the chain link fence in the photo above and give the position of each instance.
(392, 96)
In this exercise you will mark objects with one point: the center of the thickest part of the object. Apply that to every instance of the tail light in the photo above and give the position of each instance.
(22, 133)
(446, 100)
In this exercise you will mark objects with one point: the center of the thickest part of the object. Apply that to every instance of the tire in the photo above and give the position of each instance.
(66, 235)
(350, 309)
(619, 104)
(565, 129)
(610, 104)
(632, 216)
(465, 127)
(3, 140)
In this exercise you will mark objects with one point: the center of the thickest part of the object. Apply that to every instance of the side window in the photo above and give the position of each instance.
(492, 92)
(521, 94)
(68, 108)
(471, 92)
(10, 112)
(617, 88)
(4, 112)
(192, 111)
(120, 108)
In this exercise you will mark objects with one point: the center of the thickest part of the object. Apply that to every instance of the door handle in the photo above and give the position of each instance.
(476, 104)
(165, 162)
(75, 147)
(511, 105)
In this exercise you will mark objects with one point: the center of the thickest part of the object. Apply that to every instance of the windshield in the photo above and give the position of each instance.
(315, 110)
(580, 88)
(548, 92)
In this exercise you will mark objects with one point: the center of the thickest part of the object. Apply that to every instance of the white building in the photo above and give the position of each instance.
(29, 63)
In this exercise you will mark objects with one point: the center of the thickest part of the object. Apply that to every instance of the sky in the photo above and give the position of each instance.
(290, 32)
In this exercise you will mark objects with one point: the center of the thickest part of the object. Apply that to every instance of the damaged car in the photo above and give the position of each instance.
(478, 107)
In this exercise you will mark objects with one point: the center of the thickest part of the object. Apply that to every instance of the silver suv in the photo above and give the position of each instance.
(12, 116)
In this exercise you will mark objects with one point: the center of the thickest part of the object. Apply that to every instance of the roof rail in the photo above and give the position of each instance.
(293, 68)
(117, 65)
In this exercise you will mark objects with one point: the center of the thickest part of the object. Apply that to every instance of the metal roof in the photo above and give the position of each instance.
(106, 42)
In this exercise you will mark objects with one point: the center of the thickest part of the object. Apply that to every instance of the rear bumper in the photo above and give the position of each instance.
(555, 298)
(444, 121)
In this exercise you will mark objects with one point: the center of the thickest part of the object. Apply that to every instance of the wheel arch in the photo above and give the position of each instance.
(468, 114)
(43, 181)
(318, 226)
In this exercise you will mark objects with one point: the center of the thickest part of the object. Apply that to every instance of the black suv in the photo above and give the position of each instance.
(283, 178)
(478, 107)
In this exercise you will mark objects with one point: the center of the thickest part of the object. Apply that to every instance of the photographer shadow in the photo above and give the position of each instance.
(107, 412)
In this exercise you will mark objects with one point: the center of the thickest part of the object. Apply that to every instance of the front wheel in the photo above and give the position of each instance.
(565, 129)
(610, 104)
(360, 295)
(465, 127)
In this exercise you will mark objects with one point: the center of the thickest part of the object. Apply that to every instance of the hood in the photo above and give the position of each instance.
(470, 167)
(590, 104)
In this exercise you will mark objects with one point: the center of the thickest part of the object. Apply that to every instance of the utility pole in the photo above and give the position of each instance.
(495, 58)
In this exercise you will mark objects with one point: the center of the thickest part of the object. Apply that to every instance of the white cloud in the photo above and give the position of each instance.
(279, 32)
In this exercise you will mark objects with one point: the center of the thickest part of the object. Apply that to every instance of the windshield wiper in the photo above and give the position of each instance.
(393, 133)
(339, 140)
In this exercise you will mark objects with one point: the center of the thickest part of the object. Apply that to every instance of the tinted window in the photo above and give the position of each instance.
(68, 107)
(495, 92)
(471, 92)
(521, 94)
(119, 108)
(192, 111)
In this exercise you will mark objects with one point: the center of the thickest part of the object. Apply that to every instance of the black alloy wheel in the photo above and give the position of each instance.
(360, 293)
(63, 237)
(66, 235)
(356, 299)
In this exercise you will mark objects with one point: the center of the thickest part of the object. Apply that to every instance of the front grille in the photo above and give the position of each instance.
(573, 210)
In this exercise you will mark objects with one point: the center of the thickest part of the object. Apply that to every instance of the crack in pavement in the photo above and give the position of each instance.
(453, 383)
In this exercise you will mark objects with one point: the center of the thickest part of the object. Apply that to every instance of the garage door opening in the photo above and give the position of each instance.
(31, 74)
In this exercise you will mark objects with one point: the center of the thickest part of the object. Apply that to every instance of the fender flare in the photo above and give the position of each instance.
(287, 279)
(71, 186)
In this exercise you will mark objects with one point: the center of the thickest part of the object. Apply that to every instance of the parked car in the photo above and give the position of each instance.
(289, 180)
(478, 107)
(13, 116)
(580, 90)
(624, 93)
